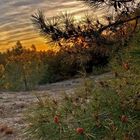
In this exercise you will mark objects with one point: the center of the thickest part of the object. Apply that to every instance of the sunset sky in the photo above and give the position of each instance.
(15, 19)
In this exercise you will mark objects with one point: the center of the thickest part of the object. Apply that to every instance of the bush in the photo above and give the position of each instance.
(106, 112)
(108, 109)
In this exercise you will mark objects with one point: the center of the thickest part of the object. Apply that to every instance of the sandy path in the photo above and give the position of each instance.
(13, 104)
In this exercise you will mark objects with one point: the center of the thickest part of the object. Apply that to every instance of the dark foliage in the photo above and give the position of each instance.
(89, 38)
(64, 27)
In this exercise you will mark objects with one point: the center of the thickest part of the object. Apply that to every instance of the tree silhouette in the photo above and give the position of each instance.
(68, 30)
(64, 31)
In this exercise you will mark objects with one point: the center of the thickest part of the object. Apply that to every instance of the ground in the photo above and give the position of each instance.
(14, 104)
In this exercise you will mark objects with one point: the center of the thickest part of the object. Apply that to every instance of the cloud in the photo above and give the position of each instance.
(15, 23)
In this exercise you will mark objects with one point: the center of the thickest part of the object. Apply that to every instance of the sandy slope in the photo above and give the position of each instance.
(13, 104)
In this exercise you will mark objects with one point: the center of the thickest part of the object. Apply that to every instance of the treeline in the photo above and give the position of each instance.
(20, 68)
(24, 69)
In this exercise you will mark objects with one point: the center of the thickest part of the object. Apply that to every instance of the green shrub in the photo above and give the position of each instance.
(106, 109)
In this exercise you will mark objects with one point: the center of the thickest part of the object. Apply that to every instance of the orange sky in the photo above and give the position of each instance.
(15, 23)
(15, 20)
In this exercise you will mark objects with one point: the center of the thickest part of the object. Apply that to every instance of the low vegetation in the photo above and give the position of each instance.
(107, 109)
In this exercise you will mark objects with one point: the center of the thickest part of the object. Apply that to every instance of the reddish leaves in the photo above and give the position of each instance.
(56, 119)
(80, 130)
(124, 118)
(126, 66)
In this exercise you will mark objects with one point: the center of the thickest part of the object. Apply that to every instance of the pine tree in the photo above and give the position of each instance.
(89, 37)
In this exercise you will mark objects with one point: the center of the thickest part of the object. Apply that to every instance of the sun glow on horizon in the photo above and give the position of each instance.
(16, 24)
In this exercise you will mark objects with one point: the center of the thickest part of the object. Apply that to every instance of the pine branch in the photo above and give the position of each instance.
(117, 23)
